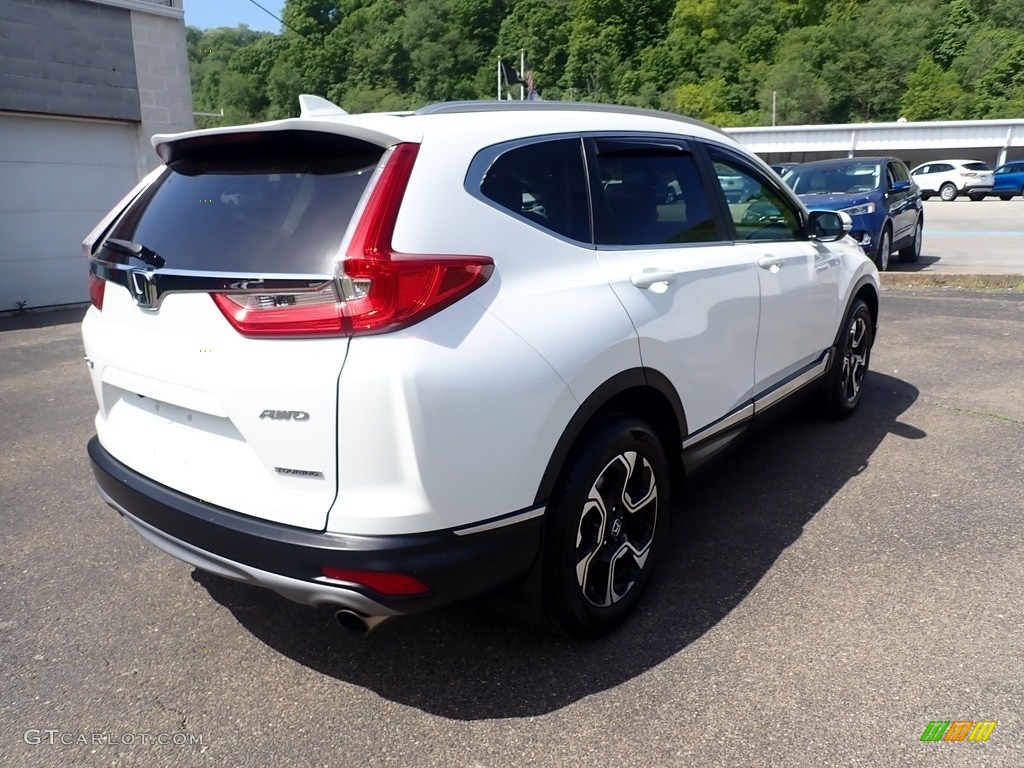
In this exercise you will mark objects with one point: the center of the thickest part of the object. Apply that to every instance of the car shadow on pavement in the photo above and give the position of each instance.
(923, 263)
(470, 662)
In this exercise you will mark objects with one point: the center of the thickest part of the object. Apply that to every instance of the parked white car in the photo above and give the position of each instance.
(950, 178)
(314, 378)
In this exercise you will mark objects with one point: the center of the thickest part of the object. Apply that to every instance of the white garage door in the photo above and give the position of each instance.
(57, 179)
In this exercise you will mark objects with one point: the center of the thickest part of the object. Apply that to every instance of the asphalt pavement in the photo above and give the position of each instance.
(828, 592)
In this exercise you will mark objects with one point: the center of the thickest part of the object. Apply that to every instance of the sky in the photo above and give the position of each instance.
(207, 14)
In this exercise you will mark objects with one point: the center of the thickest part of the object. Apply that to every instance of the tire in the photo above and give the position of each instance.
(977, 198)
(948, 192)
(926, 195)
(884, 250)
(844, 384)
(608, 518)
(1006, 197)
(911, 253)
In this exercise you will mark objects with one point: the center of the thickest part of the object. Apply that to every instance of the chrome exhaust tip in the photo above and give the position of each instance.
(358, 623)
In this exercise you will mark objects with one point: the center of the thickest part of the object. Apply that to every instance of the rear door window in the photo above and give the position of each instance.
(543, 182)
(274, 202)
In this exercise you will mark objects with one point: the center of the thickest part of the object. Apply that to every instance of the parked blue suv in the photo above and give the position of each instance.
(876, 192)
(1009, 180)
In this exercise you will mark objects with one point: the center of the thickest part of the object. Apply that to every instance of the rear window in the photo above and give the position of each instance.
(977, 166)
(275, 202)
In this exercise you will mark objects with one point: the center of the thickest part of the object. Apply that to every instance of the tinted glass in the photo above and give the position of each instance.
(977, 166)
(758, 210)
(544, 183)
(266, 206)
(900, 171)
(650, 195)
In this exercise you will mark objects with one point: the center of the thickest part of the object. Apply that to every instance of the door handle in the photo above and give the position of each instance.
(652, 276)
(772, 263)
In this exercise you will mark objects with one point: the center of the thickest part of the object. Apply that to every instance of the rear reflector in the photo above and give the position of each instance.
(97, 287)
(378, 289)
(384, 582)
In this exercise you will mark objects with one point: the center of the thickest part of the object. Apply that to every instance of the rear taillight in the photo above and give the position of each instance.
(97, 287)
(378, 289)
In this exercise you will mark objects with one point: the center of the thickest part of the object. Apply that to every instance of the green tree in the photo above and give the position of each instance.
(933, 94)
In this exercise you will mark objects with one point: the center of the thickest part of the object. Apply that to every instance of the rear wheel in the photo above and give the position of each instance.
(911, 253)
(976, 197)
(607, 520)
(844, 384)
(1006, 197)
(947, 192)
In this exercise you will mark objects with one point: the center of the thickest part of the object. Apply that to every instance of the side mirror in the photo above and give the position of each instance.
(900, 186)
(829, 226)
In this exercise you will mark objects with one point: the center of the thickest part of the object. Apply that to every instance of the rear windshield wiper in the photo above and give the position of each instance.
(138, 250)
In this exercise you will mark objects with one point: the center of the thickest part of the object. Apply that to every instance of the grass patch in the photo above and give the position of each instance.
(1008, 283)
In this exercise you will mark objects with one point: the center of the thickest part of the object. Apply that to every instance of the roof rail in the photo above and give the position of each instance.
(452, 107)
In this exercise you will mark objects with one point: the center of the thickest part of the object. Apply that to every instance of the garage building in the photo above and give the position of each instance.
(84, 84)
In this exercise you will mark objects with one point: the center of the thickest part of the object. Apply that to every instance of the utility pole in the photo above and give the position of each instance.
(522, 74)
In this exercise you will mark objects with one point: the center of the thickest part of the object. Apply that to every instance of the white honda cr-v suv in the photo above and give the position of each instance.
(383, 362)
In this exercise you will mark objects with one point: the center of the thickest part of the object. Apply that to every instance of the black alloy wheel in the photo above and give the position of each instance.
(607, 520)
(844, 384)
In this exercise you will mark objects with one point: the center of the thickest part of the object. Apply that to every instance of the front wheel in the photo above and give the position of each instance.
(844, 384)
(1006, 197)
(948, 193)
(884, 250)
(608, 517)
(911, 253)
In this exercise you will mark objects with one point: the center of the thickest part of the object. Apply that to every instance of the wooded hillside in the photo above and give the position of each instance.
(720, 60)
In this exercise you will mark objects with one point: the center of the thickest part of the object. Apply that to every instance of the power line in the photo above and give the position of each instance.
(272, 15)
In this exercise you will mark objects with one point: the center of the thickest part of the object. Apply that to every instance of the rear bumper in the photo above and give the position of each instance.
(454, 564)
(976, 186)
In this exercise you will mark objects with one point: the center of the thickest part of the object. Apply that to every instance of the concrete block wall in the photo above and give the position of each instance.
(165, 91)
(67, 57)
(84, 84)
